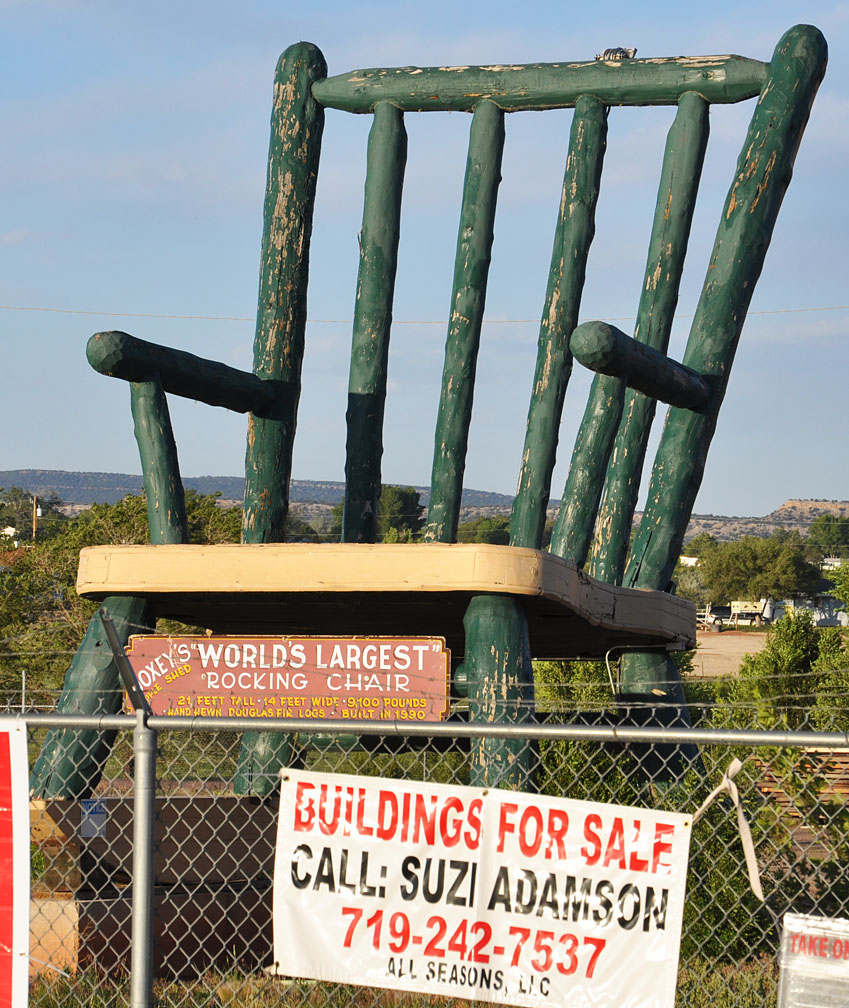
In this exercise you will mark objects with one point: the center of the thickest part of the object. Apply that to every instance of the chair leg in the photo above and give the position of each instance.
(500, 689)
(297, 125)
(261, 756)
(72, 759)
(652, 695)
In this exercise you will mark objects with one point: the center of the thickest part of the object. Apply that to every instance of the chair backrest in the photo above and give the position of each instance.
(608, 457)
(602, 486)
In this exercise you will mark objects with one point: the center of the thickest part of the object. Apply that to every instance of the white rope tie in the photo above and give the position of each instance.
(728, 786)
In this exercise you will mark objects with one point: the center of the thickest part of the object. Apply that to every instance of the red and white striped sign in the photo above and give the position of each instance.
(14, 865)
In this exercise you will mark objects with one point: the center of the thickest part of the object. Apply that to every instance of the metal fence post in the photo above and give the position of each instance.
(144, 826)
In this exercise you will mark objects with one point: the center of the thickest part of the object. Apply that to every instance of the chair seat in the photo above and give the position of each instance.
(385, 590)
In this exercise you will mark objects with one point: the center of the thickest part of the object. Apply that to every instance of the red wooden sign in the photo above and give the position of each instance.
(361, 678)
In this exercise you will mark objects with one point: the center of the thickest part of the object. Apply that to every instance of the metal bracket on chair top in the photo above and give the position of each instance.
(125, 669)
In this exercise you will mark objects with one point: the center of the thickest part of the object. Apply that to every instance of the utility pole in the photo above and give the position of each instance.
(35, 510)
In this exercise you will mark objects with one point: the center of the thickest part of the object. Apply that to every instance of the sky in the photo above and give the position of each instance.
(133, 173)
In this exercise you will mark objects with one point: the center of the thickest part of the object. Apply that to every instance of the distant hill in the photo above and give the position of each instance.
(107, 488)
(792, 515)
(314, 498)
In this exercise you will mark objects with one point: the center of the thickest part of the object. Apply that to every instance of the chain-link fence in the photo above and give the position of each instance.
(165, 820)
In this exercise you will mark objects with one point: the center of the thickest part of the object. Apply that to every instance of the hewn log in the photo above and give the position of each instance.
(652, 695)
(497, 664)
(679, 181)
(166, 500)
(572, 239)
(763, 173)
(120, 355)
(500, 688)
(387, 158)
(71, 761)
(573, 530)
(297, 122)
(471, 270)
(545, 85)
(608, 351)
(761, 178)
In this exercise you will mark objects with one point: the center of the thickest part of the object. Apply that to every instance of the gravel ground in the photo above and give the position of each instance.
(720, 654)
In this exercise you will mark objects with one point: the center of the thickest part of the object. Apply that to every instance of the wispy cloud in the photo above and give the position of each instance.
(17, 236)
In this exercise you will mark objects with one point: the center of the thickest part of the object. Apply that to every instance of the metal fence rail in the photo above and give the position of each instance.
(158, 890)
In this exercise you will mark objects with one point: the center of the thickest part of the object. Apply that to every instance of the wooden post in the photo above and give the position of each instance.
(608, 351)
(500, 688)
(760, 181)
(120, 355)
(497, 656)
(471, 269)
(620, 362)
(545, 85)
(296, 127)
(72, 759)
(166, 501)
(673, 215)
(297, 122)
(572, 239)
(387, 157)
(652, 695)
(573, 529)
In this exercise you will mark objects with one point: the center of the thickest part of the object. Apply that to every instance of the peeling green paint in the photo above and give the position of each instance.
(683, 159)
(545, 85)
(573, 528)
(297, 122)
(572, 240)
(608, 351)
(387, 157)
(71, 761)
(760, 181)
(500, 680)
(166, 501)
(471, 269)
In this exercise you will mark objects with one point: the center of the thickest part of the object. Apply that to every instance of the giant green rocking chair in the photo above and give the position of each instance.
(499, 607)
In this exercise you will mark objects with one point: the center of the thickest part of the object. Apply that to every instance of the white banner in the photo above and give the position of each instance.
(478, 893)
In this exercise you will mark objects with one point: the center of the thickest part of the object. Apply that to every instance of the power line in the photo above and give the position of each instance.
(348, 321)
(111, 314)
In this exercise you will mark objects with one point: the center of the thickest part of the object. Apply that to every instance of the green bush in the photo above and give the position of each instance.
(704, 983)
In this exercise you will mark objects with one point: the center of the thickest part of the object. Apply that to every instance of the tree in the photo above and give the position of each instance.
(781, 678)
(399, 508)
(400, 515)
(16, 511)
(840, 583)
(485, 530)
(297, 530)
(754, 568)
(797, 681)
(211, 523)
(800, 673)
(830, 532)
(42, 619)
(699, 545)
(690, 584)
(830, 712)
